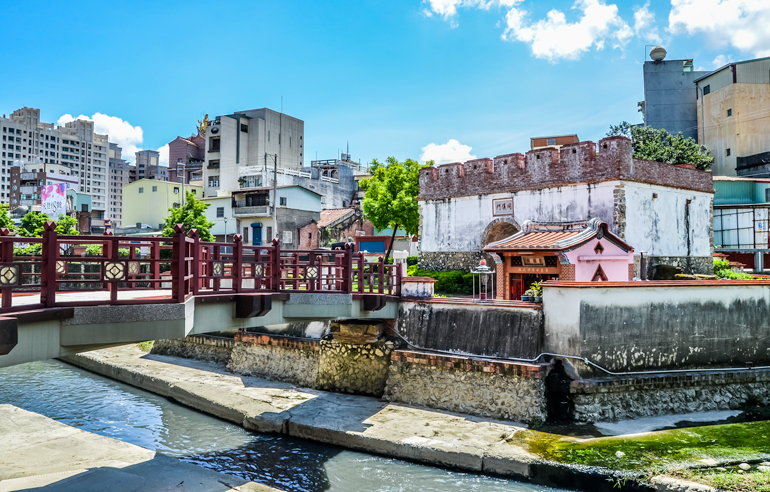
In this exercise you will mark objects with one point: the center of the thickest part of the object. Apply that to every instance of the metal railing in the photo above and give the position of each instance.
(178, 267)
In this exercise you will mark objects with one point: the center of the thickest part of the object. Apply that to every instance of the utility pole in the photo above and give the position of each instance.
(275, 189)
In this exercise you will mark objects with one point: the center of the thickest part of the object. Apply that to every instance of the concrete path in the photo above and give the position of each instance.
(355, 422)
(23, 299)
(38, 452)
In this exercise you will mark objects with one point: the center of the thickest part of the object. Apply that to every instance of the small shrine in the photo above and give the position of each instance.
(583, 251)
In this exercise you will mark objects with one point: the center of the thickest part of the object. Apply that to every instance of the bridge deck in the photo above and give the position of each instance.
(33, 298)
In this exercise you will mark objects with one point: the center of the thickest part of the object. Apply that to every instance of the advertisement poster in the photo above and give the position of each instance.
(54, 202)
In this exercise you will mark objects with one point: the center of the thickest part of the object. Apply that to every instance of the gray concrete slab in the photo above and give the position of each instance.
(355, 422)
(39, 452)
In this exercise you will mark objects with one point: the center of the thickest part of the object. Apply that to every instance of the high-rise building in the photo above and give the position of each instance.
(26, 180)
(148, 166)
(25, 140)
(120, 170)
(242, 144)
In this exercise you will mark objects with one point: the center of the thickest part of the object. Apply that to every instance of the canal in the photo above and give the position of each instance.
(96, 404)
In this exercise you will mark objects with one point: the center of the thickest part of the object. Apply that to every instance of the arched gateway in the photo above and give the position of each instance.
(499, 229)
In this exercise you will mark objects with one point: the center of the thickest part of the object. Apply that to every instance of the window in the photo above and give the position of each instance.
(141, 190)
(213, 181)
(246, 234)
(176, 189)
(220, 211)
(214, 144)
(283, 202)
(154, 189)
(244, 128)
(729, 112)
(286, 239)
(727, 152)
(268, 135)
(551, 141)
(706, 89)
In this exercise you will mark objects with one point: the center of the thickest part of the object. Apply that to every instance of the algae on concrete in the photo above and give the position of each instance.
(654, 452)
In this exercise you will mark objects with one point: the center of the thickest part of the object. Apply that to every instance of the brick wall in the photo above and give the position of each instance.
(549, 167)
(308, 236)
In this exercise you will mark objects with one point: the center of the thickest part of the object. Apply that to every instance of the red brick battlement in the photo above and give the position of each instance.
(550, 167)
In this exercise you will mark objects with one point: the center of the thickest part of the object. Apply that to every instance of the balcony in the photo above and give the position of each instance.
(258, 211)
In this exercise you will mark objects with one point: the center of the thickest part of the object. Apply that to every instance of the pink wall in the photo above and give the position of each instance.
(613, 260)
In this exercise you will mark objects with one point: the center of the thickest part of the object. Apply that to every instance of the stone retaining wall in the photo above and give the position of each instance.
(499, 390)
(357, 369)
(210, 349)
(283, 359)
(607, 400)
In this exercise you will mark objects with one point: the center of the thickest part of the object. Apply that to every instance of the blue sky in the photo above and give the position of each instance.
(406, 78)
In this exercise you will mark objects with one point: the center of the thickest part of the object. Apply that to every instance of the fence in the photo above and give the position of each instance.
(181, 264)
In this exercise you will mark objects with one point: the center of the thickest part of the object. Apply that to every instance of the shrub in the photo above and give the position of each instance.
(722, 270)
(451, 282)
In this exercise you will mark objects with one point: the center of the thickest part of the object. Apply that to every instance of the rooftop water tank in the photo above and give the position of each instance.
(658, 53)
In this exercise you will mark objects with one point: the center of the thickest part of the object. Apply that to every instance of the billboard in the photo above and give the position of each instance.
(54, 200)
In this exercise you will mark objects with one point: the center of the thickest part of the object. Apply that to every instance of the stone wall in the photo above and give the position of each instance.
(350, 368)
(447, 261)
(206, 348)
(549, 167)
(691, 265)
(607, 400)
(499, 390)
(283, 359)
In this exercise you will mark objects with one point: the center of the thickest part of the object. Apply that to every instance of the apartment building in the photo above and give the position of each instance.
(148, 201)
(148, 166)
(120, 171)
(191, 153)
(238, 144)
(25, 140)
(26, 180)
(733, 111)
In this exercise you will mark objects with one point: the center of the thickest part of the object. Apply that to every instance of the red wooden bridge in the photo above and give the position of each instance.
(156, 270)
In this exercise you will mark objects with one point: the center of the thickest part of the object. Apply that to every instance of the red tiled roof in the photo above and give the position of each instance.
(538, 240)
(332, 215)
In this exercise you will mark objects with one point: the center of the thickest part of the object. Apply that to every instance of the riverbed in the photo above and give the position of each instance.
(96, 404)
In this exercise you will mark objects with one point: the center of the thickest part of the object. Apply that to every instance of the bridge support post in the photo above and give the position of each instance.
(196, 260)
(48, 266)
(6, 255)
(177, 264)
(237, 262)
(348, 268)
(276, 265)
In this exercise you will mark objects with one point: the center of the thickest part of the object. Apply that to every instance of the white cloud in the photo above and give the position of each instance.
(739, 24)
(452, 151)
(448, 8)
(554, 38)
(644, 24)
(721, 61)
(121, 132)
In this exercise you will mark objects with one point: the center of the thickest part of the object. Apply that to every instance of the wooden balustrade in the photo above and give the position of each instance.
(181, 264)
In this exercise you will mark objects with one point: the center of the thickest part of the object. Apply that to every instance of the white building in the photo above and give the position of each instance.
(75, 145)
(660, 209)
(239, 143)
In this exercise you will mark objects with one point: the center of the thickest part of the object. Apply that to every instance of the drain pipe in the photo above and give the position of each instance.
(582, 359)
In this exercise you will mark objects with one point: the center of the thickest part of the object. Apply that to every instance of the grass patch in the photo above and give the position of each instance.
(655, 452)
(145, 346)
(732, 480)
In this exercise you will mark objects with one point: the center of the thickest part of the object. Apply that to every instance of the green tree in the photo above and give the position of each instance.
(192, 215)
(5, 218)
(32, 225)
(391, 196)
(660, 145)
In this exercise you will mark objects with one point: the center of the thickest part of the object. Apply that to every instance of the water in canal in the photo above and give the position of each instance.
(102, 406)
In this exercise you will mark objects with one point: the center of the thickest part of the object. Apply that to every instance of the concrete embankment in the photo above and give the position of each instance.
(354, 422)
(42, 454)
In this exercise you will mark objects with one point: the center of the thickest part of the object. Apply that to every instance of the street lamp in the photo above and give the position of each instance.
(225, 219)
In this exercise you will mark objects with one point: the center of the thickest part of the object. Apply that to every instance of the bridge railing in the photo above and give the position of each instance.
(176, 267)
